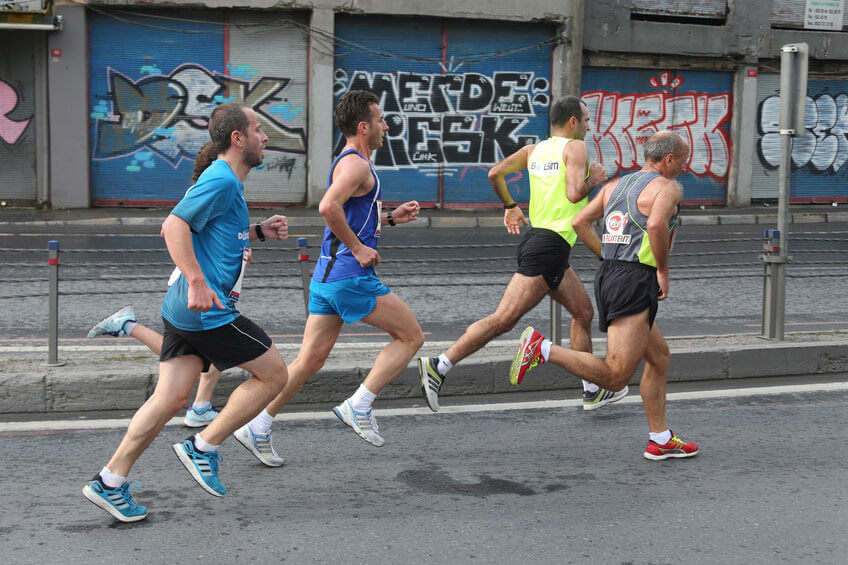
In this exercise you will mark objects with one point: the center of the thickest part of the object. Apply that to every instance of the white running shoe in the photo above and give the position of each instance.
(363, 423)
(602, 397)
(431, 380)
(259, 445)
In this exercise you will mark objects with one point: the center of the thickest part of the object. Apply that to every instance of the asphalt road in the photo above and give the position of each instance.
(450, 278)
(545, 483)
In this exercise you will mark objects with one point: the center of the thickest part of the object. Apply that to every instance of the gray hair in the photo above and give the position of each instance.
(663, 143)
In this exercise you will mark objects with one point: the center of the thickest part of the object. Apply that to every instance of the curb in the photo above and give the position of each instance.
(125, 385)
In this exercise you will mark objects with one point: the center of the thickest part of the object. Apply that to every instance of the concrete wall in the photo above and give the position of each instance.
(67, 94)
(746, 42)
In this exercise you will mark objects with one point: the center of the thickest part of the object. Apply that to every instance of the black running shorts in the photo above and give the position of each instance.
(226, 346)
(543, 252)
(624, 288)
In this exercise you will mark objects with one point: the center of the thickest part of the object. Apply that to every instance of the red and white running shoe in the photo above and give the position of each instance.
(528, 356)
(675, 447)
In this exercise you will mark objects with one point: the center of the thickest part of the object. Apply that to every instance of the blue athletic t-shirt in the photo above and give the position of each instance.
(216, 211)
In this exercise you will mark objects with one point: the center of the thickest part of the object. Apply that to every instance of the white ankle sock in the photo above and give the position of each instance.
(201, 406)
(362, 399)
(129, 327)
(203, 445)
(110, 479)
(444, 365)
(546, 349)
(261, 424)
(590, 387)
(661, 438)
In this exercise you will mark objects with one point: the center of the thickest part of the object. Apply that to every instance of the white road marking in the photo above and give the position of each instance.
(57, 425)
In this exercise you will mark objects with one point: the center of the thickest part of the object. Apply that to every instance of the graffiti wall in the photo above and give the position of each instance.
(627, 106)
(17, 118)
(457, 98)
(153, 88)
(819, 158)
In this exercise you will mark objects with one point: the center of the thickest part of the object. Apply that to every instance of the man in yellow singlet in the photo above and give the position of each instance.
(560, 182)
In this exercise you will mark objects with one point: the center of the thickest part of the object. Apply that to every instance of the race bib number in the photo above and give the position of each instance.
(235, 293)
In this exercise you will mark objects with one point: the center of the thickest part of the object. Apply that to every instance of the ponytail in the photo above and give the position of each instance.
(205, 156)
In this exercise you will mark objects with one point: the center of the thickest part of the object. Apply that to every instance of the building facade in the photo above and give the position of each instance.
(105, 103)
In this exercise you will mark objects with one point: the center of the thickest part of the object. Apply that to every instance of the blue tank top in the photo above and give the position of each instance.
(336, 262)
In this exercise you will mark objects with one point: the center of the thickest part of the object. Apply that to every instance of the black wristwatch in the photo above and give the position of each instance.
(259, 233)
(389, 219)
(510, 206)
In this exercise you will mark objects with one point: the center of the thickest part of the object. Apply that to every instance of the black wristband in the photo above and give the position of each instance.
(389, 219)
(510, 206)
(259, 233)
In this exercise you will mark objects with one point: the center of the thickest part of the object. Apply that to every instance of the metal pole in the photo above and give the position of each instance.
(304, 271)
(53, 305)
(793, 98)
(555, 333)
(779, 268)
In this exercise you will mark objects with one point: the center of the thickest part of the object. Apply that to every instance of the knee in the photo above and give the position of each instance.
(171, 403)
(661, 358)
(417, 338)
(620, 376)
(278, 376)
(584, 315)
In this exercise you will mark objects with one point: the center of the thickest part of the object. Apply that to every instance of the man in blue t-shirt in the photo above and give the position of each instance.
(208, 236)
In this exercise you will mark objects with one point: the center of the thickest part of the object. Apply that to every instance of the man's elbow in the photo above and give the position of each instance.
(494, 174)
(324, 208)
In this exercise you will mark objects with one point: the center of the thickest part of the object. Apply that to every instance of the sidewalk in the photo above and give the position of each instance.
(443, 218)
(119, 374)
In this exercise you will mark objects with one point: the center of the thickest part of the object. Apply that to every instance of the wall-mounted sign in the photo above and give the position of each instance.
(824, 14)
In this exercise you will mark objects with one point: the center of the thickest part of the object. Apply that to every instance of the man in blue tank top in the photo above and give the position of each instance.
(640, 214)
(344, 287)
(208, 235)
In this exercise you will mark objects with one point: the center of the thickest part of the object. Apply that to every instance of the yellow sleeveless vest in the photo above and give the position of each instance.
(550, 208)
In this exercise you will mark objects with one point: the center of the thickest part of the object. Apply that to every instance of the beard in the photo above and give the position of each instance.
(253, 158)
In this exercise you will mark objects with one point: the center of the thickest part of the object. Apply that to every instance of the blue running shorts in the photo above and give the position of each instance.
(351, 299)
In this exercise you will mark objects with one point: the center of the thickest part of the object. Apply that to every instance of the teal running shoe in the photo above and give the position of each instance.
(116, 501)
(195, 419)
(202, 466)
(114, 324)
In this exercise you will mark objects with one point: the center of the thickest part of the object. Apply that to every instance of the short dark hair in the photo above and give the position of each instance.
(564, 109)
(225, 119)
(663, 143)
(353, 107)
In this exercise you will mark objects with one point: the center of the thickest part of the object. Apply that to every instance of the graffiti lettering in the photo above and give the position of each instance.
(623, 122)
(443, 119)
(169, 114)
(10, 130)
(824, 146)
(281, 165)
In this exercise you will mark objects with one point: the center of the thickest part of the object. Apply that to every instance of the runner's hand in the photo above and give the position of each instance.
(513, 218)
(276, 227)
(201, 298)
(596, 174)
(662, 279)
(249, 256)
(406, 212)
(366, 256)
